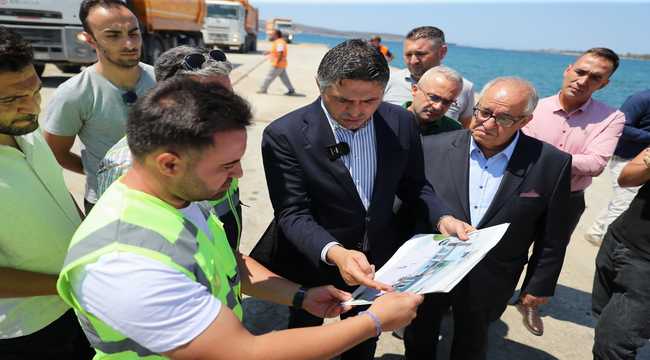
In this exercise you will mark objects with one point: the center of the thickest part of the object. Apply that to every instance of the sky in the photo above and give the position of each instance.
(578, 25)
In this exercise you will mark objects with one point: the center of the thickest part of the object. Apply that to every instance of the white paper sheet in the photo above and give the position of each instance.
(432, 263)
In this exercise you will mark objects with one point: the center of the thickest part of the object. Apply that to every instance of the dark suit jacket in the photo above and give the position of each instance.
(532, 197)
(316, 202)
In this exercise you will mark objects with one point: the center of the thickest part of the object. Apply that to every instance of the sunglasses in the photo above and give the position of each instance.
(195, 61)
(130, 97)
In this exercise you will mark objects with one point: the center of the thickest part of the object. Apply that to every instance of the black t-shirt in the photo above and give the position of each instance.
(632, 228)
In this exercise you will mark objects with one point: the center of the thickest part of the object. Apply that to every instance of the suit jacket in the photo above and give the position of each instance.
(316, 202)
(532, 197)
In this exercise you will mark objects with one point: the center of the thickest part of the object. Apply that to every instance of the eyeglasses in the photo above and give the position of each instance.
(436, 99)
(130, 97)
(505, 120)
(195, 61)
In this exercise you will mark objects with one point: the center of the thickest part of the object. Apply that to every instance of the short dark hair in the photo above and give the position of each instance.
(353, 59)
(183, 114)
(87, 5)
(15, 52)
(427, 32)
(604, 53)
(278, 33)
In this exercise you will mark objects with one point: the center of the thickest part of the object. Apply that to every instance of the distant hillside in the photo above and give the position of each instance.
(394, 37)
(576, 53)
(349, 34)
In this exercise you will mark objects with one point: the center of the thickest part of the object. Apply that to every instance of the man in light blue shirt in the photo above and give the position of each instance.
(489, 175)
(485, 175)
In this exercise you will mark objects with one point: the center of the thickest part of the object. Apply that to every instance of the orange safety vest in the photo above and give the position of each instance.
(384, 50)
(278, 47)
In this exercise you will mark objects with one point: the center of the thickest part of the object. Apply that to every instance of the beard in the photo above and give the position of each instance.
(119, 62)
(22, 130)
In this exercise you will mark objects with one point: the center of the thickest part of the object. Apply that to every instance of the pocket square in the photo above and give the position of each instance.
(529, 194)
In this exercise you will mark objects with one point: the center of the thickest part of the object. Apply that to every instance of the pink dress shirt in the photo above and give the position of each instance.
(589, 134)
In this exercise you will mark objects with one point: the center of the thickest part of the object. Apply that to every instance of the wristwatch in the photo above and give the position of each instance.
(299, 298)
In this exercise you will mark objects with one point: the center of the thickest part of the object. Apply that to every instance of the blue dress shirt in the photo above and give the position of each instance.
(485, 176)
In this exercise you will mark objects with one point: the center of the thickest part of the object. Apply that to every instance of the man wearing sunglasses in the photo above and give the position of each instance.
(489, 175)
(207, 66)
(585, 128)
(93, 105)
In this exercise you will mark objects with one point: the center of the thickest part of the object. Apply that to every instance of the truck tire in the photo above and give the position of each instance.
(153, 49)
(39, 69)
(73, 69)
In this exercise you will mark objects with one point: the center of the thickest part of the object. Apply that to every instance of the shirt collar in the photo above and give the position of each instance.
(558, 107)
(507, 152)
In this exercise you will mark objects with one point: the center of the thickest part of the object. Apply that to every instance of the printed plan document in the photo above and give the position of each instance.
(432, 263)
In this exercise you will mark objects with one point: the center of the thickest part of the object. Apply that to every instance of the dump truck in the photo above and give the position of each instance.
(284, 25)
(231, 24)
(55, 32)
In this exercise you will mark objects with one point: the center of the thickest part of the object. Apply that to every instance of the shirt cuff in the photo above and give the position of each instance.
(323, 253)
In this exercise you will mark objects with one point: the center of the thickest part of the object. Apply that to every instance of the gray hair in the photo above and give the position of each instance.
(170, 63)
(447, 72)
(353, 59)
(533, 98)
(427, 32)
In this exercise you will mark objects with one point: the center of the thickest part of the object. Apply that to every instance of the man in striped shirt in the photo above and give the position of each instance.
(333, 169)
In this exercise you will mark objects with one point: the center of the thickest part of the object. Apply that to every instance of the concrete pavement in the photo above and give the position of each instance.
(569, 325)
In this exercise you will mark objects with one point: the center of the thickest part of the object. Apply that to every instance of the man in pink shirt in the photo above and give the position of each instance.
(585, 128)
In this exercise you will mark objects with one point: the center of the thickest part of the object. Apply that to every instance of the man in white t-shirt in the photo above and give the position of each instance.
(93, 105)
(150, 273)
(424, 48)
(37, 220)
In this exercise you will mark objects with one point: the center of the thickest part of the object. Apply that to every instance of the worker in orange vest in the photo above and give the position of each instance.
(278, 58)
(376, 42)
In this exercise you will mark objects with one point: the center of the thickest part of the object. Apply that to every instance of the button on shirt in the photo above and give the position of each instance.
(361, 162)
(485, 176)
(589, 134)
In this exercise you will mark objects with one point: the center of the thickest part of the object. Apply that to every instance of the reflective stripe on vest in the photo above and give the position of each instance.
(223, 207)
(110, 347)
(151, 228)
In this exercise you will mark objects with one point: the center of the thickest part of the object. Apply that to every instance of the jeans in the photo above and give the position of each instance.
(620, 299)
(620, 201)
(274, 73)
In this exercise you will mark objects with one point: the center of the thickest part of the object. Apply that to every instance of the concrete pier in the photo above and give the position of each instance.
(568, 322)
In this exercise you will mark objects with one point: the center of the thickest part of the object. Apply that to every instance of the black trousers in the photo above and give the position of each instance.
(576, 209)
(366, 350)
(470, 330)
(620, 299)
(62, 339)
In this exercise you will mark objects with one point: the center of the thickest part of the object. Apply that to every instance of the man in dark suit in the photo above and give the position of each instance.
(488, 175)
(333, 169)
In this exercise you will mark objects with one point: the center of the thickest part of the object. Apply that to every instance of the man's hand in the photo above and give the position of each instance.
(449, 225)
(325, 301)
(533, 301)
(354, 268)
(396, 310)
